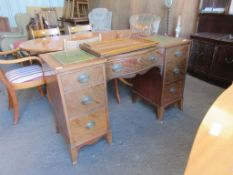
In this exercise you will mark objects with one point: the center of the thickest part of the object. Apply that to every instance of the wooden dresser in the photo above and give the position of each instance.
(164, 85)
(78, 96)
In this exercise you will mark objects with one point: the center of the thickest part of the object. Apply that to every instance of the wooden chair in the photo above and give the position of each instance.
(45, 33)
(79, 29)
(20, 78)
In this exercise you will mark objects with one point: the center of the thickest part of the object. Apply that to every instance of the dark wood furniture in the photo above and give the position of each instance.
(4, 24)
(163, 86)
(215, 6)
(211, 52)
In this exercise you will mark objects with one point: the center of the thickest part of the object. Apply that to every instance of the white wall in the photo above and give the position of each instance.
(9, 8)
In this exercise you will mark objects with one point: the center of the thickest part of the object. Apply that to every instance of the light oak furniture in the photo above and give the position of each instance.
(20, 78)
(79, 100)
(79, 28)
(45, 33)
(212, 151)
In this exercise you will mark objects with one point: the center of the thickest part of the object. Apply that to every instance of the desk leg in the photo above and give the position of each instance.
(116, 90)
(180, 104)
(160, 112)
(74, 154)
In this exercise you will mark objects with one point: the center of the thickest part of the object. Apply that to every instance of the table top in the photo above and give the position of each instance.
(52, 44)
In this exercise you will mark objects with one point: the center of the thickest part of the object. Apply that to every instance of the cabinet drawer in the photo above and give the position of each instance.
(127, 64)
(173, 91)
(83, 78)
(81, 101)
(89, 126)
(175, 70)
(177, 53)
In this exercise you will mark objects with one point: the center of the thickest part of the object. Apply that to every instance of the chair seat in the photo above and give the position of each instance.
(24, 74)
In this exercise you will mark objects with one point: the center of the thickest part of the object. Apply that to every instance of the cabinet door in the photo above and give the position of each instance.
(201, 56)
(222, 67)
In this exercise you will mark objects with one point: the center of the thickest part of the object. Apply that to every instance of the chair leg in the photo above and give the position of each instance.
(116, 90)
(10, 103)
(40, 89)
(15, 105)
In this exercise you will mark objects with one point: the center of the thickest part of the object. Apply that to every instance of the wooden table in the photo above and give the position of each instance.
(52, 44)
(212, 151)
(78, 93)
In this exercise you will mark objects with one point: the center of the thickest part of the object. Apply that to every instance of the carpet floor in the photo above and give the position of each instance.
(141, 144)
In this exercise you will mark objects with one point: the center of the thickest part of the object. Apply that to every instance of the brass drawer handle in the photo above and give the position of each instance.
(117, 67)
(152, 57)
(83, 78)
(90, 124)
(176, 71)
(178, 53)
(172, 90)
(86, 100)
(228, 61)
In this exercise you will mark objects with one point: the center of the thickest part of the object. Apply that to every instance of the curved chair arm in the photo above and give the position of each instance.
(20, 60)
(8, 52)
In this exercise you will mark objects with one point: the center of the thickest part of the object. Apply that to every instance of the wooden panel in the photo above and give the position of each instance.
(175, 70)
(177, 53)
(85, 100)
(128, 64)
(83, 78)
(173, 91)
(89, 126)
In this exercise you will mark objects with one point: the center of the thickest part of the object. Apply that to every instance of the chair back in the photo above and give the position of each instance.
(44, 33)
(145, 23)
(100, 19)
(22, 20)
(79, 29)
(50, 15)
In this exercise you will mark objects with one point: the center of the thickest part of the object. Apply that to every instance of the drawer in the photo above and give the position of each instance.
(173, 91)
(135, 62)
(82, 101)
(83, 78)
(89, 126)
(175, 70)
(177, 53)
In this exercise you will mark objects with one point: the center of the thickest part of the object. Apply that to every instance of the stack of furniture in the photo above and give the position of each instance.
(211, 54)
(76, 11)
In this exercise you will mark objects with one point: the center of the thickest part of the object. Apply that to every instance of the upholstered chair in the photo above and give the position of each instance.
(100, 19)
(7, 39)
(145, 23)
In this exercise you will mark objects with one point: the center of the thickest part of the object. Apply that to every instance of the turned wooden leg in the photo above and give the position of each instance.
(116, 90)
(180, 104)
(74, 154)
(40, 89)
(108, 137)
(160, 112)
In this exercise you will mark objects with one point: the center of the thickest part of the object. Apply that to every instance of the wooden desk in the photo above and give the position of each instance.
(78, 92)
(212, 151)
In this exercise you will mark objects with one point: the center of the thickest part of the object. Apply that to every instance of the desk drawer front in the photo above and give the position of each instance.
(175, 70)
(135, 62)
(89, 125)
(173, 91)
(82, 101)
(83, 78)
(177, 53)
